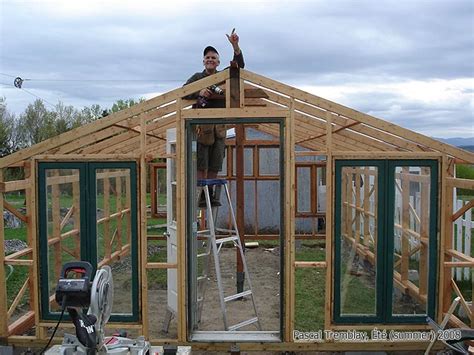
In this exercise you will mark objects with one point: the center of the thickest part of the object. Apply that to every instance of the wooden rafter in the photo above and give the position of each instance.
(358, 116)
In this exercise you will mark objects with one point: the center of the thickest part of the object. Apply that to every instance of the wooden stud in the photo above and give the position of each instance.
(446, 239)
(112, 119)
(330, 240)
(290, 191)
(3, 285)
(358, 116)
(143, 229)
(181, 220)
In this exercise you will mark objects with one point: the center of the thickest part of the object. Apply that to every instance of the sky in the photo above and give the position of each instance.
(410, 62)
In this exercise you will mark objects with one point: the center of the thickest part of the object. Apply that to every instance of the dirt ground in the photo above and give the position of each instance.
(264, 273)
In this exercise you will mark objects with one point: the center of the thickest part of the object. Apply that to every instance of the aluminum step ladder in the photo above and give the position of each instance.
(214, 243)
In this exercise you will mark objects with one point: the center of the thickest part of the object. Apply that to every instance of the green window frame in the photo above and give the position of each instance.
(385, 242)
(88, 230)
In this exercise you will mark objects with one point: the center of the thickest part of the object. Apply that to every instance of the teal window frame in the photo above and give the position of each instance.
(88, 232)
(385, 242)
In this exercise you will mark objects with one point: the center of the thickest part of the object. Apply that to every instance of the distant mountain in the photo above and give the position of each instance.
(467, 147)
(458, 141)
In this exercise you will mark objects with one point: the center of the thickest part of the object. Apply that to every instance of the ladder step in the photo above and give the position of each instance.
(228, 239)
(200, 278)
(203, 254)
(243, 324)
(238, 295)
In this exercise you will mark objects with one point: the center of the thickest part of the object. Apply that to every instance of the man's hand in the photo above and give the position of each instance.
(205, 92)
(234, 40)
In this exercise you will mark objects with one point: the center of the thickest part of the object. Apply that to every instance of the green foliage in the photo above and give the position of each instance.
(38, 123)
(123, 104)
(465, 172)
(7, 128)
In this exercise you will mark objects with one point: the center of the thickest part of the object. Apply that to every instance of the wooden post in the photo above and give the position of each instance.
(290, 211)
(142, 246)
(239, 162)
(3, 284)
(181, 219)
(446, 238)
(329, 296)
(30, 232)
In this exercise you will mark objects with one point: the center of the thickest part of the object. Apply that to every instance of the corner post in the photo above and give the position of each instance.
(235, 102)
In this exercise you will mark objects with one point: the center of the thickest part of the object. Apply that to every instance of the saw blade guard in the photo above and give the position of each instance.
(102, 297)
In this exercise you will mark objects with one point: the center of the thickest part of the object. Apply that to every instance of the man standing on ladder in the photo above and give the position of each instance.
(211, 138)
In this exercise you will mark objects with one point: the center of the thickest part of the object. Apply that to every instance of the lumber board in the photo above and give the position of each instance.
(460, 183)
(358, 116)
(310, 264)
(112, 119)
(22, 324)
(221, 113)
(14, 211)
(83, 142)
(3, 284)
(89, 157)
(462, 210)
(317, 117)
(16, 185)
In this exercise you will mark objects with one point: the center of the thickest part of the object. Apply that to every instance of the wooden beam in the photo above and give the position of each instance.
(460, 183)
(10, 186)
(358, 116)
(112, 119)
(310, 264)
(221, 113)
(15, 212)
(462, 210)
(3, 284)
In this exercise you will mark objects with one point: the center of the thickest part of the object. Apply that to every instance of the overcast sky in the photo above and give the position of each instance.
(406, 61)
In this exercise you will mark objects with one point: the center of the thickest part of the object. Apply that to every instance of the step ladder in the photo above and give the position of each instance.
(214, 245)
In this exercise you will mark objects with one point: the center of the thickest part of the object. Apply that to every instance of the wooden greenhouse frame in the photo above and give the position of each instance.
(137, 136)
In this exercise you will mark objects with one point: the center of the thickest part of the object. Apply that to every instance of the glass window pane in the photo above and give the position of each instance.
(303, 196)
(63, 218)
(411, 236)
(113, 219)
(268, 160)
(358, 260)
(248, 162)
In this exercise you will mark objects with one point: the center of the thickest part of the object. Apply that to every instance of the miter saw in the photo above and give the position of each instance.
(78, 293)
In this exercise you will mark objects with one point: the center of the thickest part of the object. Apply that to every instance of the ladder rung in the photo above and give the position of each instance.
(200, 278)
(203, 254)
(225, 230)
(243, 324)
(228, 239)
(238, 295)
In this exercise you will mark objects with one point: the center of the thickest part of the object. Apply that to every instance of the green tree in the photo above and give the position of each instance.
(7, 129)
(123, 104)
(36, 124)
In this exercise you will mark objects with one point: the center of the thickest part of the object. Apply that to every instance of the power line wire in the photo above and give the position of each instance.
(49, 103)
